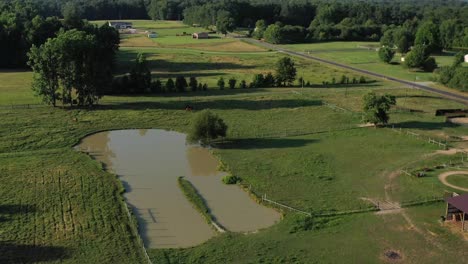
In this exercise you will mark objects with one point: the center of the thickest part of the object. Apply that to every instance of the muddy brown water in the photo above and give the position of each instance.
(148, 162)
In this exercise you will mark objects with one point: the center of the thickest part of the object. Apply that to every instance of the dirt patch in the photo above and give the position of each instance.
(443, 178)
(392, 255)
(459, 120)
(234, 46)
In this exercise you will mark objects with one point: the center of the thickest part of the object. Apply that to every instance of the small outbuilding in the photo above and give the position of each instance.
(466, 58)
(201, 35)
(152, 35)
(457, 209)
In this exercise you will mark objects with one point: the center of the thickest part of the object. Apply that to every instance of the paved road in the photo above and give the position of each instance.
(452, 96)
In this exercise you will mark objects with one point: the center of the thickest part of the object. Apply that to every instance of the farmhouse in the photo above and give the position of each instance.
(121, 24)
(200, 35)
(457, 209)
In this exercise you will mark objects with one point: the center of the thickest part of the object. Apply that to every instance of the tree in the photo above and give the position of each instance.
(416, 57)
(260, 28)
(170, 86)
(232, 83)
(428, 36)
(206, 126)
(458, 59)
(376, 108)
(221, 83)
(273, 34)
(258, 81)
(243, 84)
(225, 22)
(140, 75)
(285, 71)
(44, 61)
(72, 16)
(429, 64)
(193, 83)
(181, 84)
(156, 86)
(386, 54)
(269, 80)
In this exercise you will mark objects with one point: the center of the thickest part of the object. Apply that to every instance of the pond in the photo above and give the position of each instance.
(148, 162)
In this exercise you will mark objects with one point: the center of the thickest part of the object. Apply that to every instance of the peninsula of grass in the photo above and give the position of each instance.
(198, 202)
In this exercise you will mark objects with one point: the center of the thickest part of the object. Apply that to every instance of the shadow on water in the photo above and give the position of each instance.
(11, 252)
(426, 125)
(265, 143)
(224, 104)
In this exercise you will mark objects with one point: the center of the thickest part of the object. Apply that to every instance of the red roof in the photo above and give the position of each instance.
(460, 202)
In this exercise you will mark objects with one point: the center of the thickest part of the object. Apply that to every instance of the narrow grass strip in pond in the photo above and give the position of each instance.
(198, 202)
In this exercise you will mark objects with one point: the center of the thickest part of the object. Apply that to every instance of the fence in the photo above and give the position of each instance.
(21, 106)
(419, 136)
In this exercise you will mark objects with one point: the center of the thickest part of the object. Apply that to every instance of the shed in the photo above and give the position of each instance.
(200, 35)
(152, 35)
(121, 24)
(457, 209)
(466, 58)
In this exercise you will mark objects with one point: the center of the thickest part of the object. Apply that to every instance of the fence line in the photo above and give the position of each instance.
(133, 226)
(264, 199)
(419, 136)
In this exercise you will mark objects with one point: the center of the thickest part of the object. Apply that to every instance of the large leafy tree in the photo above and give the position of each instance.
(376, 108)
(140, 76)
(225, 22)
(285, 71)
(428, 36)
(206, 126)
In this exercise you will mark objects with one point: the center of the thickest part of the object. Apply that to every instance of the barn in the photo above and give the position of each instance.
(121, 24)
(200, 35)
(457, 209)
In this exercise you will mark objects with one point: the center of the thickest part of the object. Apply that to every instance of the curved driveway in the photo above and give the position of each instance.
(449, 95)
(443, 179)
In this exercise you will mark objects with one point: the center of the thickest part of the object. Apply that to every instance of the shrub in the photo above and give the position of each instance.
(429, 64)
(232, 83)
(221, 83)
(386, 54)
(243, 84)
(362, 79)
(230, 179)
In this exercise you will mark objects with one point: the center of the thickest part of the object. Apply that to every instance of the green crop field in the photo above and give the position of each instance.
(304, 147)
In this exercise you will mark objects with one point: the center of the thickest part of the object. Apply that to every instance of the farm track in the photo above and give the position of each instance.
(449, 95)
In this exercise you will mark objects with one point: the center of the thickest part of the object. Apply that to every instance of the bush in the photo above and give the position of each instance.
(232, 83)
(221, 83)
(243, 84)
(429, 64)
(206, 126)
(386, 54)
(230, 179)
(362, 79)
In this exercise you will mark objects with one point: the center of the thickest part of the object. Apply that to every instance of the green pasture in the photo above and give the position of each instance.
(363, 55)
(300, 146)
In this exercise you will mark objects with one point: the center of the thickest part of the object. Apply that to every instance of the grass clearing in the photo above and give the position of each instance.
(363, 55)
(285, 142)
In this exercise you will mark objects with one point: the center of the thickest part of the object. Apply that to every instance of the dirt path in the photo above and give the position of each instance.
(443, 179)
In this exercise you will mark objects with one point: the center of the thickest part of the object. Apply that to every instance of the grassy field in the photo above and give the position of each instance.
(292, 144)
(460, 180)
(363, 55)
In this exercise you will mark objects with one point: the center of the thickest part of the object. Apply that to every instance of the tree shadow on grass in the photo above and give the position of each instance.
(426, 125)
(224, 104)
(11, 252)
(15, 253)
(265, 143)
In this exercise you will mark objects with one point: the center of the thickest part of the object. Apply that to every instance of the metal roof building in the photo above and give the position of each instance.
(457, 209)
